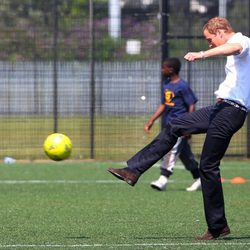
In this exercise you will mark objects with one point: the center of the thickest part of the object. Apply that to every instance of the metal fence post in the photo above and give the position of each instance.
(164, 40)
(55, 61)
(92, 78)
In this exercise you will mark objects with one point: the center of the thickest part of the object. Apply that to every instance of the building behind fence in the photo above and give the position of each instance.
(91, 69)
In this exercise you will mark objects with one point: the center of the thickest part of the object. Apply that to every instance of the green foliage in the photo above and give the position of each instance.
(105, 48)
(28, 30)
(30, 27)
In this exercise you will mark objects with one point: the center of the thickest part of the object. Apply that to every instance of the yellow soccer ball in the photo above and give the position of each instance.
(57, 146)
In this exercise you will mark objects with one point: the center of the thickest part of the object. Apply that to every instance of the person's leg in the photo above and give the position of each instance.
(188, 159)
(167, 166)
(169, 160)
(225, 121)
(190, 123)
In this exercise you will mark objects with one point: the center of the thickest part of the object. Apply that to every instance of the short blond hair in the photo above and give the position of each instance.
(218, 23)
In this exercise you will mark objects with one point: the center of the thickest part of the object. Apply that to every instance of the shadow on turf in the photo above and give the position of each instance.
(159, 238)
(77, 237)
(236, 238)
(178, 238)
(173, 190)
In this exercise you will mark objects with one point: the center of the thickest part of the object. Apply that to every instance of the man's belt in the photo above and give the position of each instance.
(233, 103)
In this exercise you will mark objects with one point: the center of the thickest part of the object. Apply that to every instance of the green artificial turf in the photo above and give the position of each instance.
(70, 205)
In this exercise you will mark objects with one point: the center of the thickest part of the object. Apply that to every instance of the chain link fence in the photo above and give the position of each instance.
(91, 70)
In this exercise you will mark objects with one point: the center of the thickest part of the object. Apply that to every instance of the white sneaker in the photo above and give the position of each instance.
(195, 186)
(160, 184)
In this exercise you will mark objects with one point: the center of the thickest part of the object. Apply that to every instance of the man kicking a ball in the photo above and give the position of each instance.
(219, 121)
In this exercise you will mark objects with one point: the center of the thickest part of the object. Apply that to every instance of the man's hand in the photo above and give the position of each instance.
(192, 56)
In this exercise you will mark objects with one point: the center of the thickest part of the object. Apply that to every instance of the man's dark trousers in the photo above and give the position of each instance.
(219, 122)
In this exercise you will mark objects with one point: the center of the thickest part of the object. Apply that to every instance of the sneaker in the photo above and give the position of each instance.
(160, 184)
(195, 186)
(215, 235)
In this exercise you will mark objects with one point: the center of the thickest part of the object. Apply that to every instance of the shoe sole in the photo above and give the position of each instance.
(193, 190)
(157, 188)
(121, 177)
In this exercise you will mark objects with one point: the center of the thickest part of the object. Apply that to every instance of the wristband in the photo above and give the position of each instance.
(202, 54)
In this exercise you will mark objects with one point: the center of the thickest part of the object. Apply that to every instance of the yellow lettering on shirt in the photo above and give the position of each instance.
(169, 95)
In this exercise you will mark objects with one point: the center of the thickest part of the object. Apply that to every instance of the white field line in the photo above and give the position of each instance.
(57, 181)
(115, 181)
(14, 182)
(128, 245)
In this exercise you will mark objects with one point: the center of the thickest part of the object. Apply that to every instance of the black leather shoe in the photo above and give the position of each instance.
(125, 174)
(215, 234)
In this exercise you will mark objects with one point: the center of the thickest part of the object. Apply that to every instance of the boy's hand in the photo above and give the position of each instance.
(148, 126)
